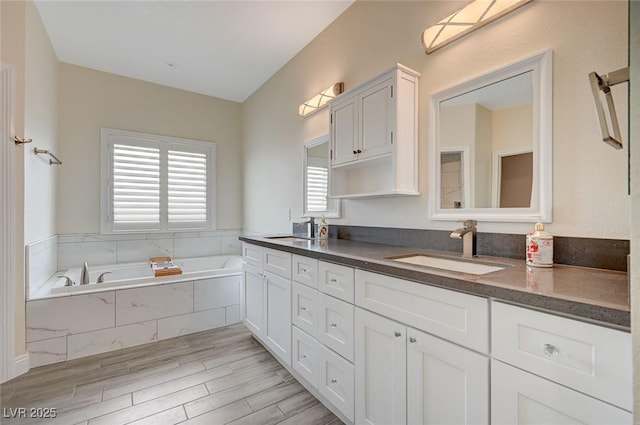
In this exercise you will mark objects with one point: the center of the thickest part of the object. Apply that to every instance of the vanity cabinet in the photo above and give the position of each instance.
(547, 369)
(267, 297)
(405, 375)
(374, 137)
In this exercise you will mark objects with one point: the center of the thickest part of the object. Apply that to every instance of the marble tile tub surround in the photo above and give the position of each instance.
(609, 254)
(66, 328)
(44, 258)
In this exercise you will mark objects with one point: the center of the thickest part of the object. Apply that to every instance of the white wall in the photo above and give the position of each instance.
(41, 125)
(92, 99)
(590, 187)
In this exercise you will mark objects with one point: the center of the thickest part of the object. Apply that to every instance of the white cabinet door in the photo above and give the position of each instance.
(376, 112)
(335, 325)
(253, 300)
(520, 398)
(304, 308)
(252, 255)
(446, 384)
(336, 280)
(335, 381)
(381, 370)
(344, 130)
(305, 355)
(277, 329)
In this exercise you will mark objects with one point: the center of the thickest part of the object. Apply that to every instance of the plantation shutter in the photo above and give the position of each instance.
(187, 186)
(136, 185)
(317, 187)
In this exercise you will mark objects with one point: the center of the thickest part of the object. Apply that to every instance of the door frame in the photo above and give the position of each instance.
(7, 227)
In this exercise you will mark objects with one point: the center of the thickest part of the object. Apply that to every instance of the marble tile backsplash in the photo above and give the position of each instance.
(61, 252)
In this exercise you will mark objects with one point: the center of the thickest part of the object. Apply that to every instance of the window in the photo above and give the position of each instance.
(156, 183)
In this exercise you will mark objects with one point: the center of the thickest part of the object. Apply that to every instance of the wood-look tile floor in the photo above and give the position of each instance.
(222, 376)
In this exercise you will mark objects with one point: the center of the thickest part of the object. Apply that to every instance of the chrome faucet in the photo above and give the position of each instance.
(84, 274)
(468, 236)
(309, 231)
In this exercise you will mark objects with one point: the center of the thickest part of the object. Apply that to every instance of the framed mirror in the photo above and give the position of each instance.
(316, 175)
(491, 145)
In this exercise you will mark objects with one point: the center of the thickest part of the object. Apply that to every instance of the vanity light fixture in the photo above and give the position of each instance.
(320, 100)
(471, 17)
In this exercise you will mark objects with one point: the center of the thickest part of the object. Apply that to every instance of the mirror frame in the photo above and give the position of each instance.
(541, 195)
(333, 205)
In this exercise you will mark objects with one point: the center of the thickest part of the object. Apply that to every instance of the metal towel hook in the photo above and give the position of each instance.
(604, 83)
(52, 160)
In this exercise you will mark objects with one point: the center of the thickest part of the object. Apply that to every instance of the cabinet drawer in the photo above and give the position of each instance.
(305, 270)
(589, 358)
(252, 255)
(305, 355)
(336, 381)
(458, 317)
(304, 308)
(335, 325)
(520, 398)
(276, 262)
(336, 281)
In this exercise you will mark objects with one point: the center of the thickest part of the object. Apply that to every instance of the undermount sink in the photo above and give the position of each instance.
(460, 266)
(289, 238)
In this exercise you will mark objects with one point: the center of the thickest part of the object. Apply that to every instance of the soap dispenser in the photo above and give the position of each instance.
(539, 247)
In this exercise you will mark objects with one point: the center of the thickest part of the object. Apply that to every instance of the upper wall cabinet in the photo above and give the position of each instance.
(374, 137)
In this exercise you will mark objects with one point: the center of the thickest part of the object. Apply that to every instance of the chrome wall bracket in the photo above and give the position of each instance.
(21, 140)
(603, 83)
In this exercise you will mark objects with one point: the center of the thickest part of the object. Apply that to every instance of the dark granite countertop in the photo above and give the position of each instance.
(589, 294)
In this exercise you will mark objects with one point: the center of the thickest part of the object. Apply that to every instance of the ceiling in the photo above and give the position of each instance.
(225, 49)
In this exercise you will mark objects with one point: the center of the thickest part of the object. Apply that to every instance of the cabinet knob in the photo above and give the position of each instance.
(333, 325)
(303, 270)
(303, 308)
(304, 356)
(355, 152)
(412, 340)
(334, 280)
(397, 334)
(550, 350)
(334, 381)
(359, 151)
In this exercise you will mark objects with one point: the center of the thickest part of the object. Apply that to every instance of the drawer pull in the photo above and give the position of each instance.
(303, 308)
(334, 280)
(334, 381)
(550, 350)
(397, 334)
(303, 270)
(412, 340)
(333, 325)
(304, 356)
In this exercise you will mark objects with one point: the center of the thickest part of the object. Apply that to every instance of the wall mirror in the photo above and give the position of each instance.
(316, 175)
(491, 145)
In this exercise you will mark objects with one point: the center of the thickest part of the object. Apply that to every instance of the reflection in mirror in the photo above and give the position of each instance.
(316, 177)
(491, 141)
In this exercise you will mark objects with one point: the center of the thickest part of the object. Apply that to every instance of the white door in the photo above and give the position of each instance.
(446, 384)
(376, 111)
(381, 370)
(344, 131)
(521, 398)
(278, 316)
(253, 294)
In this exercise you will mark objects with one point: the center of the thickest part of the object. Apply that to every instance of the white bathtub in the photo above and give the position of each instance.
(132, 275)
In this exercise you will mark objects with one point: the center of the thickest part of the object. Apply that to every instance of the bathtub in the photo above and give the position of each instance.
(131, 307)
(133, 275)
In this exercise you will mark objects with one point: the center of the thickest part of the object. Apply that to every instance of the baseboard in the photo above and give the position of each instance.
(21, 365)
